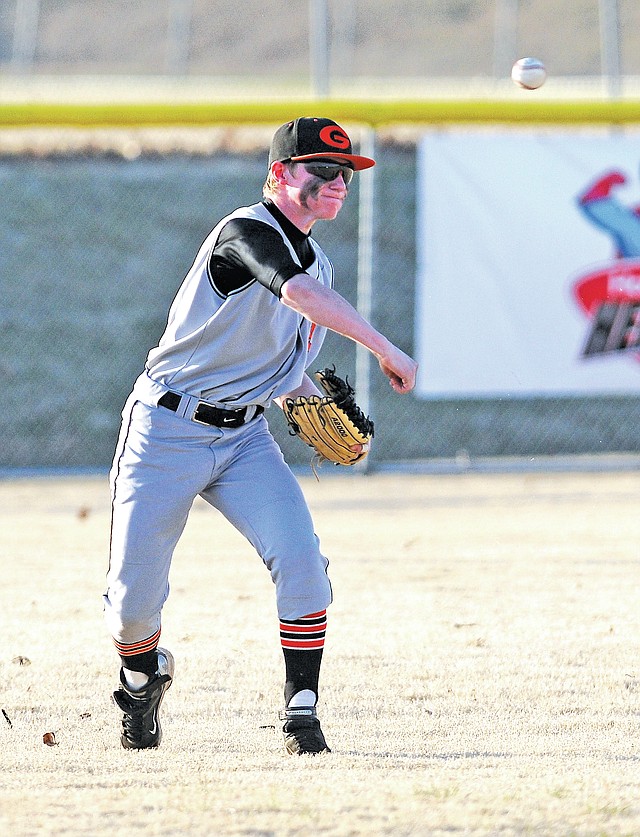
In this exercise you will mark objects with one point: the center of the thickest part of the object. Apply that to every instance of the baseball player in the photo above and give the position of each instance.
(247, 321)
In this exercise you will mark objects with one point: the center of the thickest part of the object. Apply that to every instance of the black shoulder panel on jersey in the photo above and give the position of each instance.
(249, 250)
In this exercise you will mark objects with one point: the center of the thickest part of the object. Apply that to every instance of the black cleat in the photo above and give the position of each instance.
(301, 730)
(141, 722)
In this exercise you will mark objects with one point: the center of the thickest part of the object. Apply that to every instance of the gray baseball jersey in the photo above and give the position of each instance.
(238, 349)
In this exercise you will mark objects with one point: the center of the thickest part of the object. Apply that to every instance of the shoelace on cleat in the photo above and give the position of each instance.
(307, 734)
(135, 709)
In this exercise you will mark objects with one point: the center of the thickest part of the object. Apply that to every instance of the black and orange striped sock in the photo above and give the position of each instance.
(139, 656)
(302, 643)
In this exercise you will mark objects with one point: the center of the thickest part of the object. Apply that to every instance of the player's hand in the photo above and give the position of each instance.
(360, 448)
(400, 369)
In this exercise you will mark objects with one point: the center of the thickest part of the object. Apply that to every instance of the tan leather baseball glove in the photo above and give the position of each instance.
(332, 425)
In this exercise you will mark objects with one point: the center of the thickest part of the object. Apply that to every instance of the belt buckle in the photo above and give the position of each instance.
(194, 413)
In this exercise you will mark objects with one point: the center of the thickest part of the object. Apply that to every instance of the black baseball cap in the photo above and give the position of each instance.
(310, 138)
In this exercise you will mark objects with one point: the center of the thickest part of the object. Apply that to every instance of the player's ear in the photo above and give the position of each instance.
(278, 171)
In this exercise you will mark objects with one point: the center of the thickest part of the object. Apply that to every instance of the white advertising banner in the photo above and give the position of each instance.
(528, 252)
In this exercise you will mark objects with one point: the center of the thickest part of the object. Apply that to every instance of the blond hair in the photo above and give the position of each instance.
(270, 187)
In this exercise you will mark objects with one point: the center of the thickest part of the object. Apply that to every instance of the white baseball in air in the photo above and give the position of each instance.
(529, 73)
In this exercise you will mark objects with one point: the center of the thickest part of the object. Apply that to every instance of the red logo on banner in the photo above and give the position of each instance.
(610, 296)
(334, 136)
(616, 282)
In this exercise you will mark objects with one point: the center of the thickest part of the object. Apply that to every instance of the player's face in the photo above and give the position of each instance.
(322, 186)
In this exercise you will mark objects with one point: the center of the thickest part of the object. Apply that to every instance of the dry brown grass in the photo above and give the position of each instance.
(480, 674)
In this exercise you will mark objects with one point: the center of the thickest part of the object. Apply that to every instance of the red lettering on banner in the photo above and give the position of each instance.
(332, 135)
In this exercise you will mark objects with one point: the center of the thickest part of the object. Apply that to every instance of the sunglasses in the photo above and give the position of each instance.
(329, 171)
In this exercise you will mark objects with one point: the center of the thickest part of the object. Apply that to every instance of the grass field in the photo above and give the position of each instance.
(480, 675)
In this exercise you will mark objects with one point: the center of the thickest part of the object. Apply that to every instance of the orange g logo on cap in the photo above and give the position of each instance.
(334, 136)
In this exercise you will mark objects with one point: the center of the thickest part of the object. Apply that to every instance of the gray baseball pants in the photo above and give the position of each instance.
(162, 463)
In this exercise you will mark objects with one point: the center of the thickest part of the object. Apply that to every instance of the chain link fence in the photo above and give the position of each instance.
(94, 249)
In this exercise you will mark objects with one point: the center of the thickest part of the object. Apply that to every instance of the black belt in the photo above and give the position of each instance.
(208, 414)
